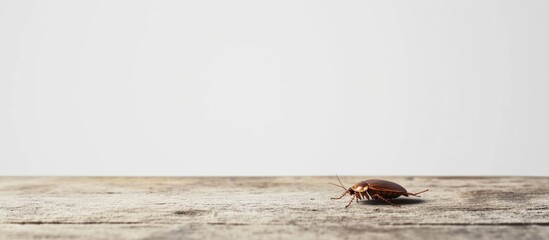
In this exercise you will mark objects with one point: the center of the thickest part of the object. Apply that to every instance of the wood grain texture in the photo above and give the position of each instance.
(269, 208)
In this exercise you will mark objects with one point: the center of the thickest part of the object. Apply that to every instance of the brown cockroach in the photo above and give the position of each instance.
(375, 189)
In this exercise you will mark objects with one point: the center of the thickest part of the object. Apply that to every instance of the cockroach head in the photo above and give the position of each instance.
(351, 191)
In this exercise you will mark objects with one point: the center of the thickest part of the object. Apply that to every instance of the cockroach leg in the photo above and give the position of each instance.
(416, 194)
(343, 195)
(350, 201)
(376, 196)
(366, 192)
(368, 196)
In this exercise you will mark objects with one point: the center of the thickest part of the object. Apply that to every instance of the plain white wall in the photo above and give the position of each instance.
(125, 87)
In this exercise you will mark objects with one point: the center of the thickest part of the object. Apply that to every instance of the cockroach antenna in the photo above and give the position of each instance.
(340, 182)
(337, 185)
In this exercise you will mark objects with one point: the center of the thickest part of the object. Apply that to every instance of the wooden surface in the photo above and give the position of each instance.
(269, 208)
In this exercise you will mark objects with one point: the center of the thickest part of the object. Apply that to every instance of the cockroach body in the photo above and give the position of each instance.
(375, 189)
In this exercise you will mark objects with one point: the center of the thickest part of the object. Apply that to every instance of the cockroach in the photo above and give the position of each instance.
(375, 189)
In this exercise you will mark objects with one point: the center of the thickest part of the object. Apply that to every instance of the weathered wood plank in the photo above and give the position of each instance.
(262, 207)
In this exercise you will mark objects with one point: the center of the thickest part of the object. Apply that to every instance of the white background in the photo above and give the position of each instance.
(274, 87)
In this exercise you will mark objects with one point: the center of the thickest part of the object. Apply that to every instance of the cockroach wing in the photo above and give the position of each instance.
(383, 185)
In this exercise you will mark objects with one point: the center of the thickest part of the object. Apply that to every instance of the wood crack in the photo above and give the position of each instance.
(72, 223)
(475, 224)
